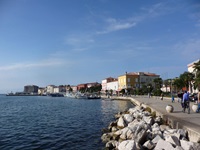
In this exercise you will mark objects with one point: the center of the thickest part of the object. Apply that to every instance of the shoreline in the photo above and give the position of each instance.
(173, 122)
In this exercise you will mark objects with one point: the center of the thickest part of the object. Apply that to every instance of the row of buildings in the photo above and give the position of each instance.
(128, 80)
(34, 89)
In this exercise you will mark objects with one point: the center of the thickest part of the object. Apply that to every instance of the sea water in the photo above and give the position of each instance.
(55, 123)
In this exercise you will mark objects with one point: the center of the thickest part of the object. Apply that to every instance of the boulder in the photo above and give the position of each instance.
(114, 129)
(128, 118)
(121, 123)
(106, 137)
(148, 119)
(112, 144)
(183, 133)
(158, 120)
(156, 139)
(186, 145)
(163, 145)
(173, 140)
(129, 145)
(149, 145)
(178, 148)
(164, 127)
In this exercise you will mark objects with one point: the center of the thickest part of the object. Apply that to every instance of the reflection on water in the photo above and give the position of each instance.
(109, 107)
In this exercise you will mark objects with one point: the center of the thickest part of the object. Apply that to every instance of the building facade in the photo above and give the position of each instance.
(114, 86)
(128, 80)
(104, 83)
(146, 78)
(191, 70)
(31, 89)
(50, 89)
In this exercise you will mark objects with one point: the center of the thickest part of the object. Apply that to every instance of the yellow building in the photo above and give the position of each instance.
(128, 80)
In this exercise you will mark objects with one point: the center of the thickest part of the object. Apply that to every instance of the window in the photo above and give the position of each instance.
(129, 80)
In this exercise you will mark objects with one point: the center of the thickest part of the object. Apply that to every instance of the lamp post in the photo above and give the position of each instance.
(148, 87)
(171, 81)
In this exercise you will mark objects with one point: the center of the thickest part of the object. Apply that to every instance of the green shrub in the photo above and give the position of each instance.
(153, 114)
(148, 109)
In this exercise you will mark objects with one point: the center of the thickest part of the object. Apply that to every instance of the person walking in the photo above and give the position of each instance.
(162, 96)
(185, 102)
(198, 101)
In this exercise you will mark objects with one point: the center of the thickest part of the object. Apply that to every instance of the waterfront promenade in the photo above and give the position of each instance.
(177, 119)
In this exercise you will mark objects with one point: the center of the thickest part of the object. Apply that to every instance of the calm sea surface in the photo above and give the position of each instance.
(55, 123)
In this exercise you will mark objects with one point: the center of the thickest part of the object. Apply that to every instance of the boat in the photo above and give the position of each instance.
(94, 96)
(70, 95)
(56, 95)
(81, 96)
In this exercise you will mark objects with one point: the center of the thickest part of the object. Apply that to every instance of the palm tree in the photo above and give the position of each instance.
(187, 78)
(158, 82)
(196, 72)
(178, 83)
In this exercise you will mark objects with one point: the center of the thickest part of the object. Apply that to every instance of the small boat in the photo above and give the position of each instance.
(70, 95)
(81, 96)
(94, 96)
(56, 95)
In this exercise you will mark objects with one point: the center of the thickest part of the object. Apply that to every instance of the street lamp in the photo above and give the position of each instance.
(171, 81)
(148, 87)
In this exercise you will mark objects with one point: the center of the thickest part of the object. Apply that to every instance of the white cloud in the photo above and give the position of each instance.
(46, 63)
(115, 25)
(156, 10)
(78, 40)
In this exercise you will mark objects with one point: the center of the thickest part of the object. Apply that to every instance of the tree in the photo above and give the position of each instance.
(187, 78)
(178, 83)
(158, 83)
(196, 72)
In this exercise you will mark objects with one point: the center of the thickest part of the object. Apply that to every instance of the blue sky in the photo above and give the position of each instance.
(58, 42)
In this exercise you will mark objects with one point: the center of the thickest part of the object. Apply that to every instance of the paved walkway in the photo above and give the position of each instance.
(191, 121)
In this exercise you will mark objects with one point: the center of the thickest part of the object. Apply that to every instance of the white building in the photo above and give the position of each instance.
(191, 70)
(50, 89)
(113, 86)
(105, 82)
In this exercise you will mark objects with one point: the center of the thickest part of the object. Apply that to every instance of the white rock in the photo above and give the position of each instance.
(138, 115)
(134, 109)
(156, 139)
(112, 144)
(148, 119)
(164, 127)
(128, 145)
(186, 145)
(128, 118)
(163, 145)
(182, 132)
(155, 125)
(106, 137)
(173, 140)
(149, 145)
(178, 148)
(121, 123)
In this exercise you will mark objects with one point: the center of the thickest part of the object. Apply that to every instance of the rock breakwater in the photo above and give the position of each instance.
(140, 129)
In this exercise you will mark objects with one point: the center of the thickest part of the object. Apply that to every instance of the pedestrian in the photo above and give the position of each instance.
(172, 98)
(198, 101)
(179, 97)
(161, 96)
(185, 102)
